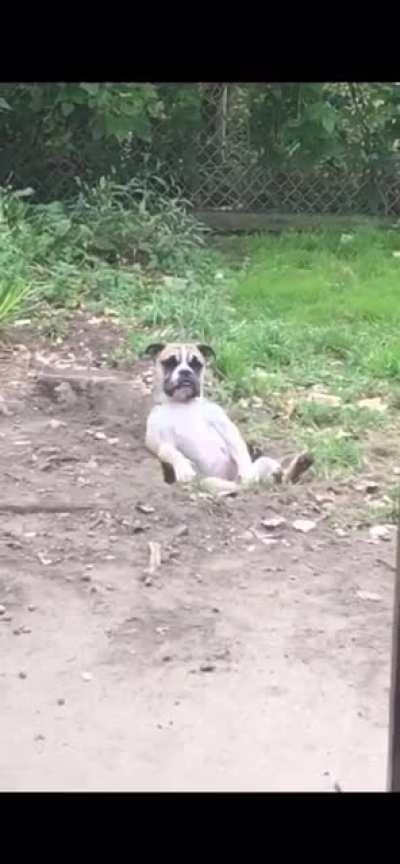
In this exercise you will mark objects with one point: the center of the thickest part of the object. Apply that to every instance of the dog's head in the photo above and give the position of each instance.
(179, 369)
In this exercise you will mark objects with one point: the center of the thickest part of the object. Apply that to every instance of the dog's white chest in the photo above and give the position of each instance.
(199, 440)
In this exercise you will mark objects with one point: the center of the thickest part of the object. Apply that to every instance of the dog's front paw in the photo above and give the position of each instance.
(184, 472)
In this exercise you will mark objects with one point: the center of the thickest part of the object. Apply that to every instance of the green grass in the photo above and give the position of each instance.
(308, 310)
(286, 314)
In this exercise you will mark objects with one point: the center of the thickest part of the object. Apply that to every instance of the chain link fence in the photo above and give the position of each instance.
(218, 168)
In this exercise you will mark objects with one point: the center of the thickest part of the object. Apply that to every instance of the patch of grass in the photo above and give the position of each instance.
(335, 454)
(284, 313)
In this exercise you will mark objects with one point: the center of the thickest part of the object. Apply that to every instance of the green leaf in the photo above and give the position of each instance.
(66, 108)
(90, 88)
(329, 122)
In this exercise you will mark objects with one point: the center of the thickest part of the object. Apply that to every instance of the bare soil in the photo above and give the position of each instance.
(245, 661)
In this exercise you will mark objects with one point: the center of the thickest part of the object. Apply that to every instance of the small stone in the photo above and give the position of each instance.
(87, 676)
(368, 595)
(2, 609)
(207, 667)
(22, 675)
(113, 441)
(144, 508)
(43, 559)
(304, 525)
(55, 424)
(181, 531)
(371, 487)
(60, 701)
(272, 524)
(32, 608)
(86, 577)
(380, 532)
(100, 436)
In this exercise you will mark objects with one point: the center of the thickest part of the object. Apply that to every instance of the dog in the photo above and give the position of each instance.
(193, 437)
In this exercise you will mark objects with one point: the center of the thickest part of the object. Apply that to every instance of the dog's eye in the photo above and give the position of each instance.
(170, 363)
(195, 364)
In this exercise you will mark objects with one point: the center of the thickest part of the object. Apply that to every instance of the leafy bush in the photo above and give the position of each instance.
(102, 244)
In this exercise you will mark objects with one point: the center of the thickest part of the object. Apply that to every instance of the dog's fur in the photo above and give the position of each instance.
(193, 437)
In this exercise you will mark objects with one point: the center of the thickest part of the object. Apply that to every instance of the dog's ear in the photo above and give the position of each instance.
(153, 349)
(206, 350)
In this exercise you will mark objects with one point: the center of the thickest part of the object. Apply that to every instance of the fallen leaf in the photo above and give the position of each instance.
(325, 399)
(375, 404)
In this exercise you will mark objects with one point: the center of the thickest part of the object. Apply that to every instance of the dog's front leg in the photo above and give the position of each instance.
(183, 469)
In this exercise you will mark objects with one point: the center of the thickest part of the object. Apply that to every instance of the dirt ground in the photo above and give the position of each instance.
(246, 661)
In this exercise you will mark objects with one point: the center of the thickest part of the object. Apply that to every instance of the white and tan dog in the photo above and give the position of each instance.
(193, 437)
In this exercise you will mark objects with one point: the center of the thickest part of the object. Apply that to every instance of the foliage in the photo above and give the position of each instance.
(104, 241)
(53, 133)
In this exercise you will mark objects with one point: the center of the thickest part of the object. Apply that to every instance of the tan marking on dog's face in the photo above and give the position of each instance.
(180, 368)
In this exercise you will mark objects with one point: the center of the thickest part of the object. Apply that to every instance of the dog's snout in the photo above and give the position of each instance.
(185, 374)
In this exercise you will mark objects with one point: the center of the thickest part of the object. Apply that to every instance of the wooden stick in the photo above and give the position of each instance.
(394, 719)
(46, 507)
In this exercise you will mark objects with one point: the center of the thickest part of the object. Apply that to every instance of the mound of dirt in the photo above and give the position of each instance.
(152, 638)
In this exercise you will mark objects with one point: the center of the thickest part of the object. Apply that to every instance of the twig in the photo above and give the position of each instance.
(43, 507)
(155, 557)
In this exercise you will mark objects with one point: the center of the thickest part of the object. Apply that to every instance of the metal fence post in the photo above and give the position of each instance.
(394, 718)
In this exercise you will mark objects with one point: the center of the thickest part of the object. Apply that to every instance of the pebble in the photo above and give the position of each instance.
(304, 525)
(60, 701)
(32, 608)
(368, 595)
(181, 531)
(207, 667)
(144, 508)
(271, 524)
(55, 424)
(2, 609)
(380, 532)
(22, 675)
(87, 676)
